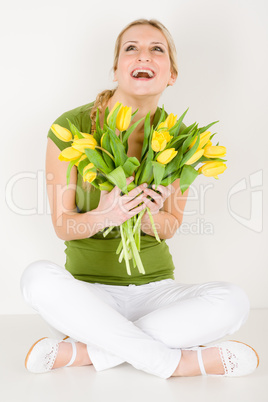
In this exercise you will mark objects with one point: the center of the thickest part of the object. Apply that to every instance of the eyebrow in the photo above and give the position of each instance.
(135, 41)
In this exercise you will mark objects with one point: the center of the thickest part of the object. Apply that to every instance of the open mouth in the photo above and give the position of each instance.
(141, 74)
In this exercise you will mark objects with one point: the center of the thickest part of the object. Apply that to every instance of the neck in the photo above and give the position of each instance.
(144, 104)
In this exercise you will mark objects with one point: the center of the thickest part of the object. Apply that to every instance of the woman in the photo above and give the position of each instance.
(105, 316)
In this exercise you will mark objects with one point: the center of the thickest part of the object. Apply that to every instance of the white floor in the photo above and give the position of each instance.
(124, 382)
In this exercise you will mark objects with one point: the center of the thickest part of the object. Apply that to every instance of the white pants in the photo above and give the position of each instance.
(145, 326)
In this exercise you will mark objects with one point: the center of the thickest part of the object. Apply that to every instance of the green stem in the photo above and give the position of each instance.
(108, 231)
(125, 249)
(104, 150)
(153, 225)
(135, 252)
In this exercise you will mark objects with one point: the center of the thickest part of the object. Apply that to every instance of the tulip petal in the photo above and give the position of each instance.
(61, 132)
(69, 154)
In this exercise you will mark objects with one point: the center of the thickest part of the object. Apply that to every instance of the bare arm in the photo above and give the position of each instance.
(113, 209)
(170, 216)
(67, 222)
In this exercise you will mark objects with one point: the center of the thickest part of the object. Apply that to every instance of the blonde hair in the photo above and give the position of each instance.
(104, 96)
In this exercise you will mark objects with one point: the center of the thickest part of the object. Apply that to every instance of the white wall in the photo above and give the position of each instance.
(58, 55)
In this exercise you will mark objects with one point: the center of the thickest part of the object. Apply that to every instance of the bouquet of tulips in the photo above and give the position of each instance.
(168, 153)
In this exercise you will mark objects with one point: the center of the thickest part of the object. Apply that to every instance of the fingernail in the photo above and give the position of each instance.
(153, 186)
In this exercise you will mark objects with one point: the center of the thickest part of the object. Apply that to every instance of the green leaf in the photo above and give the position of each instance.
(148, 131)
(203, 129)
(147, 174)
(188, 129)
(190, 153)
(112, 118)
(74, 129)
(133, 114)
(106, 145)
(171, 178)
(107, 186)
(96, 158)
(130, 130)
(158, 171)
(188, 141)
(176, 128)
(131, 165)
(140, 169)
(205, 159)
(118, 148)
(162, 117)
(68, 173)
(210, 138)
(98, 134)
(118, 177)
(106, 114)
(173, 165)
(82, 165)
(188, 175)
(147, 171)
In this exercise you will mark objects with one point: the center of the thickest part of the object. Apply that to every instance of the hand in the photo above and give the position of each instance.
(158, 199)
(119, 208)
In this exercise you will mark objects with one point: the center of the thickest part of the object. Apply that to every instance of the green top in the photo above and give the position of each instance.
(94, 259)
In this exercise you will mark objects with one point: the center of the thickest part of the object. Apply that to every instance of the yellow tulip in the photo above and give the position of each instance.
(212, 169)
(123, 118)
(214, 151)
(197, 155)
(166, 156)
(88, 167)
(208, 144)
(82, 143)
(81, 159)
(88, 174)
(167, 135)
(87, 135)
(161, 125)
(158, 141)
(101, 140)
(170, 120)
(113, 109)
(62, 133)
(204, 138)
(69, 154)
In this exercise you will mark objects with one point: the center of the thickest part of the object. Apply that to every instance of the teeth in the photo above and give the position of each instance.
(136, 72)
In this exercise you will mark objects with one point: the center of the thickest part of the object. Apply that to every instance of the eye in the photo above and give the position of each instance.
(130, 46)
(157, 47)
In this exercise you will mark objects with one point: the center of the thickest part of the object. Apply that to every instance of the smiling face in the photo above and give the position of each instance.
(143, 66)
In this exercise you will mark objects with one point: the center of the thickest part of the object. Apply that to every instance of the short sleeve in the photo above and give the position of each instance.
(62, 121)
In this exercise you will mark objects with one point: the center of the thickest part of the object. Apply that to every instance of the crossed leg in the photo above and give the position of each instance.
(170, 318)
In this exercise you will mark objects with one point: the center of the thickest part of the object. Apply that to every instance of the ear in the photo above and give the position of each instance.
(173, 78)
(115, 76)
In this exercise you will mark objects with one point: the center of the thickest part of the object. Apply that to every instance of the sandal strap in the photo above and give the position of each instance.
(74, 352)
(200, 361)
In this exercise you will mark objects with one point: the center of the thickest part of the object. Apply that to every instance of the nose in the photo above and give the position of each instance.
(143, 56)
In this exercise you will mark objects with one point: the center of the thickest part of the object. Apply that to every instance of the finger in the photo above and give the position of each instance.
(153, 194)
(130, 179)
(136, 210)
(133, 193)
(164, 190)
(134, 202)
(155, 204)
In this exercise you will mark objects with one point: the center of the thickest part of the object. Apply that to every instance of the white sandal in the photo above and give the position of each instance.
(42, 355)
(238, 358)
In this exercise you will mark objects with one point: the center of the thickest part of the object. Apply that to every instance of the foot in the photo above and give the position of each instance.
(189, 366)
(65, 353)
